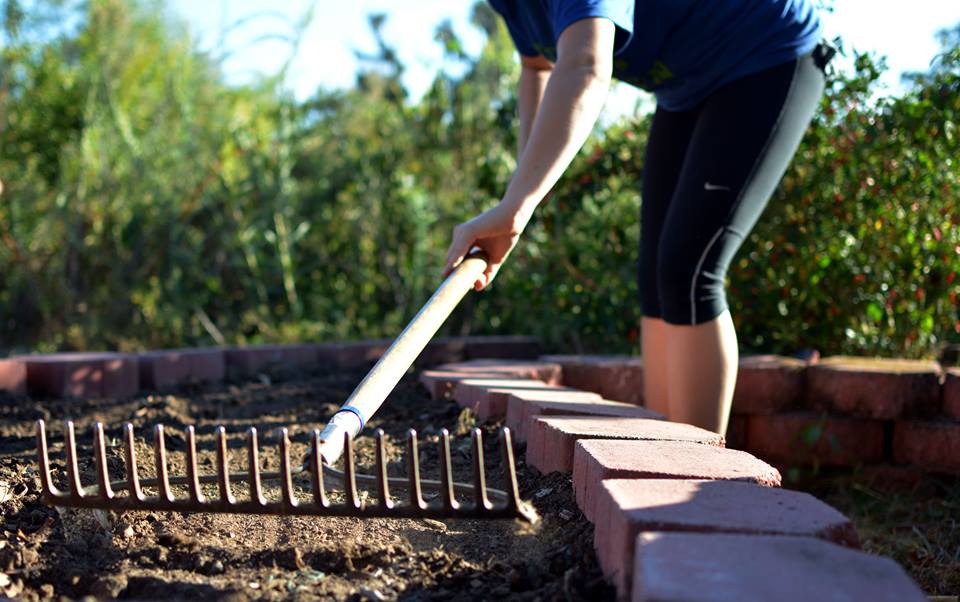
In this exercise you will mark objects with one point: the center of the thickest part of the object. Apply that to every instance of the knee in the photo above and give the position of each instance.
(674, 281)
(691, 285)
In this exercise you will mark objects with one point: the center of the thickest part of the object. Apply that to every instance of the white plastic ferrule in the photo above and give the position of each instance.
(331, 437)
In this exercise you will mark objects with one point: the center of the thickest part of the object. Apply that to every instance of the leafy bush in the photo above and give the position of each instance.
(150, 204)
(859, 252)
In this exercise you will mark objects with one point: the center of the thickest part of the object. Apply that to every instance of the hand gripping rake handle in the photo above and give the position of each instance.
(369, 395)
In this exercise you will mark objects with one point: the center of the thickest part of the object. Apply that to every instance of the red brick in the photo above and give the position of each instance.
(207, 364)
(551, 439)
(242, 361)
(736, 435)
(442, 350)
(805, 437)
(951, 393)
(13, 376)
(522, 407)
(251, 359)
(352, 354)
(597, 460)
(173, 367)
(163, 369)
(930, 445)
(536, 370)
(300, 356)
(690, 566)
(82, 375)
(121, 376)
(441, 383)
(487, 397)
(64, 378)
(355, 354)
(768, 384)
(881, 389)
(628, 507)
(615, 377)
(503, 347)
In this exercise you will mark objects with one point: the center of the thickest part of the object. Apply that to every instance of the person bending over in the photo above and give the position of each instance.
(736, 82)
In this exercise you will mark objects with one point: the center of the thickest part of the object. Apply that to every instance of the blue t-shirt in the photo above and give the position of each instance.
(682, 50)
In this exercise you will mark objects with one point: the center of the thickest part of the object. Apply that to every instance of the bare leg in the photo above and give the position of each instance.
(701, 372)
(653, 343)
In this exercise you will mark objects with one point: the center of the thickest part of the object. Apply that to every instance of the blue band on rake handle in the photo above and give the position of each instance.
(356, 413)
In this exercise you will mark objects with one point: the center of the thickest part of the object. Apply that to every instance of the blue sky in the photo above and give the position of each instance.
(903, 31)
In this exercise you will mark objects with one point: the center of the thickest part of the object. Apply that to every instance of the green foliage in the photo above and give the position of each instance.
(147, 203)
(574, 275)
(859, 250)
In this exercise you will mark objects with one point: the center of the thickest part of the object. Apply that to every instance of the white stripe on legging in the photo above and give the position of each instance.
(696, 272)
(743, 189)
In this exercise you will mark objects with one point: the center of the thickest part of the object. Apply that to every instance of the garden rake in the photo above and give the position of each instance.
(326, 447)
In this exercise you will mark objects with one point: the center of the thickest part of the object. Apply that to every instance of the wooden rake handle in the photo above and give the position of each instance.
(369, 395)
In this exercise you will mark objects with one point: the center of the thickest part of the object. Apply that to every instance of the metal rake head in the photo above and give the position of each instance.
(105, 494)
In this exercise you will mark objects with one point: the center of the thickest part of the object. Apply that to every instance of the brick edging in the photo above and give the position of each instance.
(640, 451)
(111, 374)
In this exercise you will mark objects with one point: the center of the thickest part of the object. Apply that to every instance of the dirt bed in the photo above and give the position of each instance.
(46, 553)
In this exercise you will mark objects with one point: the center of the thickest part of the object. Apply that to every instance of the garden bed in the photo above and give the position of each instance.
(153, 555)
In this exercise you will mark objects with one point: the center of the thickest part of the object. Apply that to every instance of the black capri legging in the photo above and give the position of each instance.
(708, 175)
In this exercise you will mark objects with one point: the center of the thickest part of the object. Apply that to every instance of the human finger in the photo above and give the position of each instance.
(457, 250)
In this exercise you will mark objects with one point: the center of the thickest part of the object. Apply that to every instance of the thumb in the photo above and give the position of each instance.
(455, 254)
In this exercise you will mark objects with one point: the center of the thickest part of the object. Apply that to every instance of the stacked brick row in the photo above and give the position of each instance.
(119, 375)
(677, 515)
(849, 411)
(840, 411)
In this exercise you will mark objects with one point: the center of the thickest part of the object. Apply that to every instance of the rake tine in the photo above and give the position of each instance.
(479, 476)
(446, 472)
(223, 468)
(133, 480)
(413, 469)
(253, 456)
(350, 473)
(100, 453)
(513, 490)
(160, 455)
(43, 458)
(193, 470)
(73, 469)
(286, 483)
(316, 471)
(383, 486)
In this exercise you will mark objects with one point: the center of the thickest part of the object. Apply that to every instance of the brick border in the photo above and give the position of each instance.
(107, 374)
(618, 515)
(834, 411)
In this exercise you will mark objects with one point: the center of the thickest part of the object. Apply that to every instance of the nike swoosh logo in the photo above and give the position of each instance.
(709, 186)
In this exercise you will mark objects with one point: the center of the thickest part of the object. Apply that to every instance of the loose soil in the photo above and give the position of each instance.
(49, 553)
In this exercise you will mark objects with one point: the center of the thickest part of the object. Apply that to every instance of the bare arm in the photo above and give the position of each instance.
(534, 73)
(571, 102)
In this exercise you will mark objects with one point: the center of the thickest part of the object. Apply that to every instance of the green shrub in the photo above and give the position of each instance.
(147, 203)
(859, 251)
